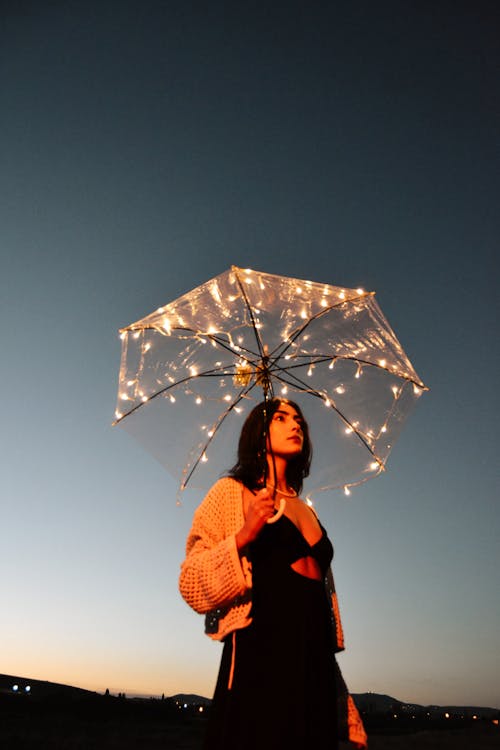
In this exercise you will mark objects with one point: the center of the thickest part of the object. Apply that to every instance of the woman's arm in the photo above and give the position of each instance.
(214, 571)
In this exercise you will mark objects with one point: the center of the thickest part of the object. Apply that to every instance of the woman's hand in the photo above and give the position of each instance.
(259, 510)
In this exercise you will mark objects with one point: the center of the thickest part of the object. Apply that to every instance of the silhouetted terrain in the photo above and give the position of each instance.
(45, 715)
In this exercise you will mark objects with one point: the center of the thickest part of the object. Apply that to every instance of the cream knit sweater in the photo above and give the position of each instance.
(215, 580)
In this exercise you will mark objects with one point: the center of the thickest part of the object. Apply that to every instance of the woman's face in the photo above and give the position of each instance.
(286, 437)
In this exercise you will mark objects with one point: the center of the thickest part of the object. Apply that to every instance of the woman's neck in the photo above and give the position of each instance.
(276, 473)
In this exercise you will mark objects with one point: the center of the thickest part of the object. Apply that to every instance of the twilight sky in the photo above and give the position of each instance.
(144, 148)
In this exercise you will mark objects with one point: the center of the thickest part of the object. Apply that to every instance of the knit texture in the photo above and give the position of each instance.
(215, 580)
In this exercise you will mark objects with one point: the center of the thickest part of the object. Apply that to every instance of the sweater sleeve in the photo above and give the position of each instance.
(212, 574)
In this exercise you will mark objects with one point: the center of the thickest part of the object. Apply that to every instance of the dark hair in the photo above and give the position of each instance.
(251, 465)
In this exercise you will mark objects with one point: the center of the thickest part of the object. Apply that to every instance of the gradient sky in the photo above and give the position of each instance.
(147, 146)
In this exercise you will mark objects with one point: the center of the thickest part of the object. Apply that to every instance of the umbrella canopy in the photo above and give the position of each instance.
(192, 371)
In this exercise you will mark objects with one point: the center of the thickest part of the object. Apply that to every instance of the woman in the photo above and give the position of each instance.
(266, 589)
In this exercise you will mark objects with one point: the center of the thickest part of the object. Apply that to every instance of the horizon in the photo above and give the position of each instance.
(158, 696)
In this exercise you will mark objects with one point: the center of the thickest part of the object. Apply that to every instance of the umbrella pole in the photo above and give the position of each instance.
(282, 505)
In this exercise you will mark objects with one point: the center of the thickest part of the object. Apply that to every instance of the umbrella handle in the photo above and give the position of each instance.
(280, 512)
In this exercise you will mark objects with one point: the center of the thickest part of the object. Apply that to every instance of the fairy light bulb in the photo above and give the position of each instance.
(198, 400)
(137, 334)
(284, 390)
(382, 362)
(347, 491)
(123, 335)
(172, 399)
(193, 371)
(204, 458)
(118, 414)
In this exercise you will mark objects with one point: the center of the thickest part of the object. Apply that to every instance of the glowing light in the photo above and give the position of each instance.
(331, 365)
(146, 347)
(383, 428)
(382, 362)
(395, 390)
(360, 291)
(144, 399)
(310, 370)
(416, 390)
(123, 335)
(193, 370)
(118, 414)
(124, 397)
(299, 290)
(198, 399)
(324, 302)
(212, 329)
(204, 458)
(284, 390)
(348, 430)
(227, 397)
(303, 314)
(137, 334)
(130, 382)
(374, 465)
(340, 389)
(342, 294)
(166, 325)
(347, 491)
(172, 399)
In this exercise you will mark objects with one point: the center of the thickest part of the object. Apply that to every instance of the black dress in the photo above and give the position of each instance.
(282, 673)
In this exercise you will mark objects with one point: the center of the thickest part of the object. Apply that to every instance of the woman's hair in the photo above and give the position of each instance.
(251, 465)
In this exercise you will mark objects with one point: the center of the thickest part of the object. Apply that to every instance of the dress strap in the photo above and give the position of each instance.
(233, 660)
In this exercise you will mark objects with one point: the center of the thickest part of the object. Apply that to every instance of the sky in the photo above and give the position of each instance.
(146, 147)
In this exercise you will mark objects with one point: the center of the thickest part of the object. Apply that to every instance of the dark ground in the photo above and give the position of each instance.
(125, 724)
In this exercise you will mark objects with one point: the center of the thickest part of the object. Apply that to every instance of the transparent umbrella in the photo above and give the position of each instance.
(192, 370)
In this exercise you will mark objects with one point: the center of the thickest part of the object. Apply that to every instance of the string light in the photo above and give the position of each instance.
(347, 491)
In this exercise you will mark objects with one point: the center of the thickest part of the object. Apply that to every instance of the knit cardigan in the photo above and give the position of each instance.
(216, 580)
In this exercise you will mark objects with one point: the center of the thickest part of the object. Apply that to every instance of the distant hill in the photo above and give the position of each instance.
(25, 686)
(369, 704)
(374, 703)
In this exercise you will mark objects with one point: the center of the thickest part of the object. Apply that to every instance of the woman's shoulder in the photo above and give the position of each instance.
(225, 488)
